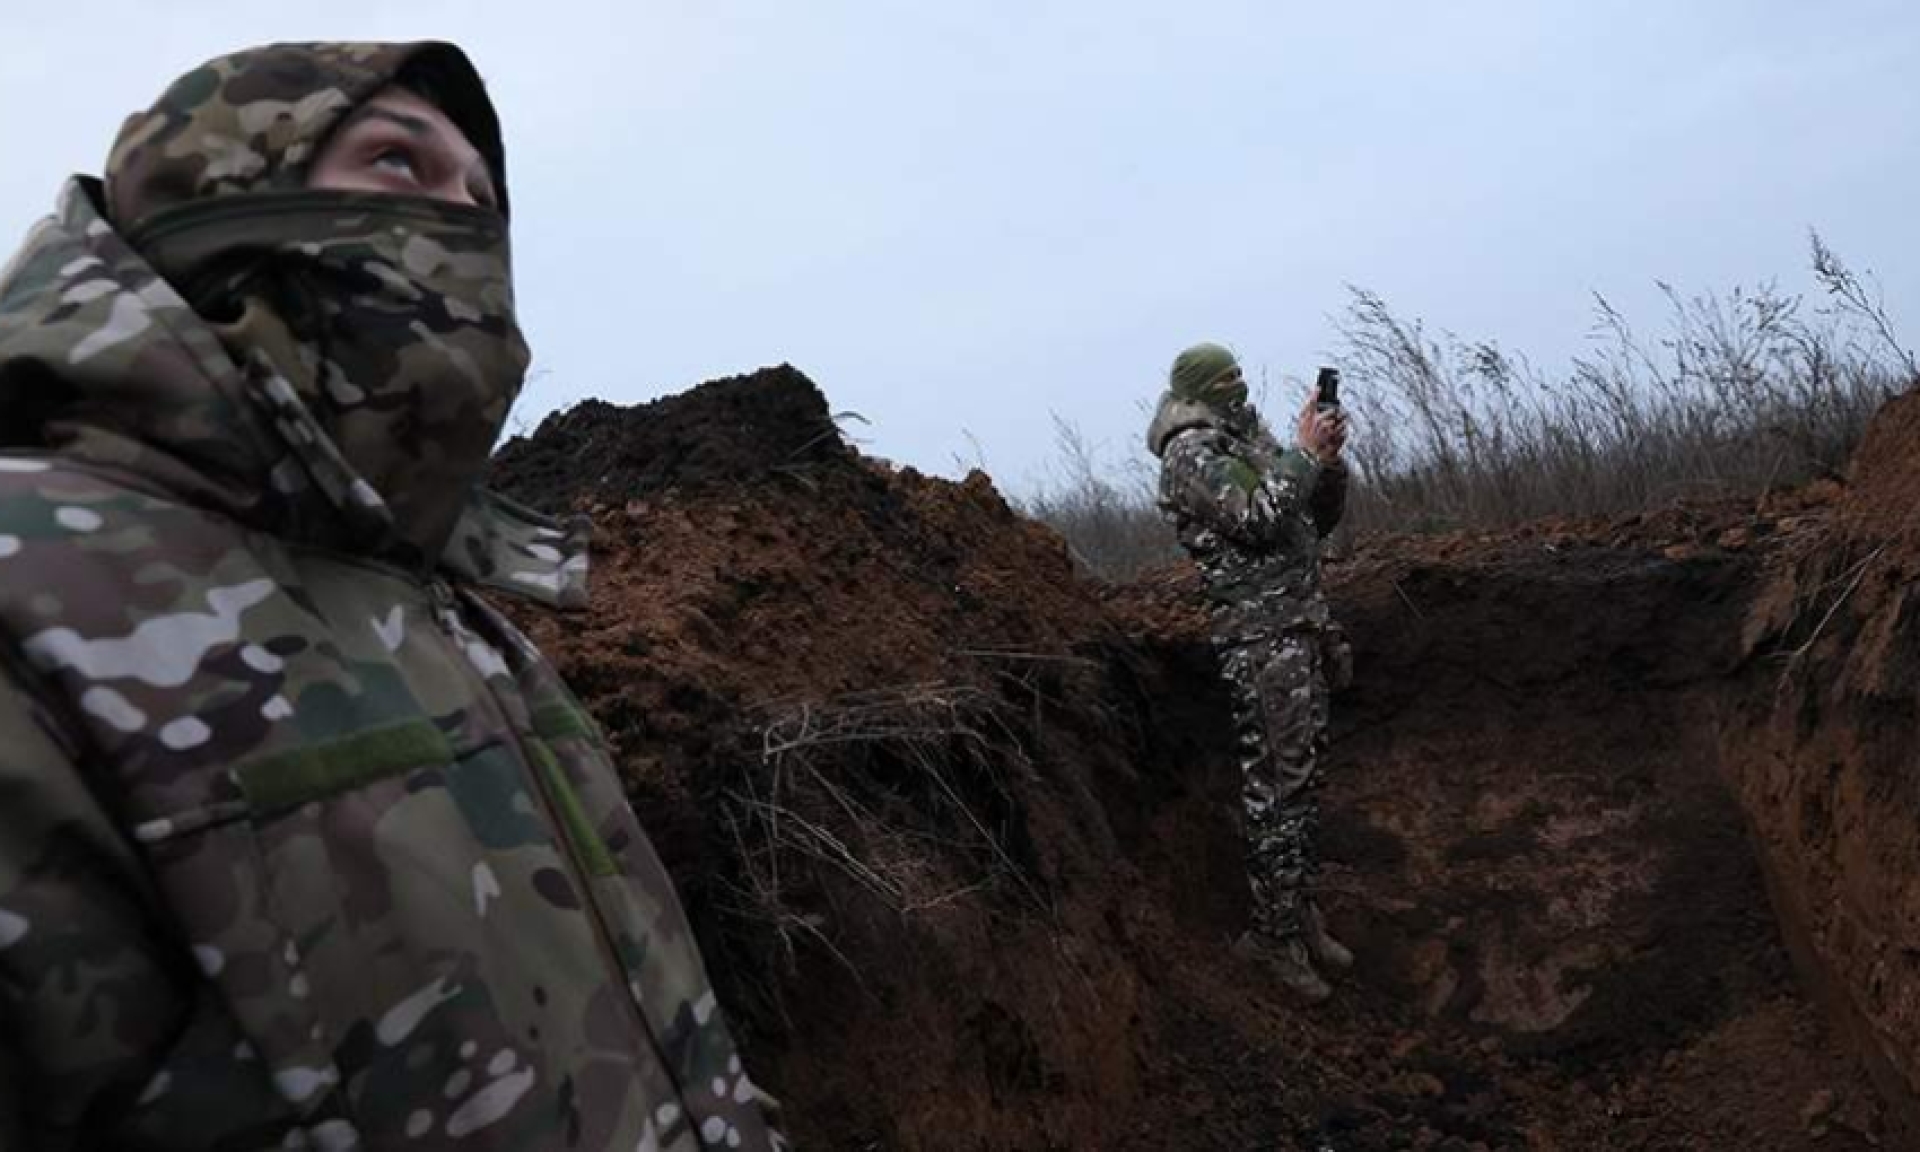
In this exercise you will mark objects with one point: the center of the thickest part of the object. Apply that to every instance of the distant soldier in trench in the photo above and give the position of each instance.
(1252, 514)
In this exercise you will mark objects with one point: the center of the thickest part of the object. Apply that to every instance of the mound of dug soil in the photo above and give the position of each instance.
(838, 692)
(958, 830)
(735, 431)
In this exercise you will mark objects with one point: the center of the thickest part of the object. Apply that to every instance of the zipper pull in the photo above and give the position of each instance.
(446, 606)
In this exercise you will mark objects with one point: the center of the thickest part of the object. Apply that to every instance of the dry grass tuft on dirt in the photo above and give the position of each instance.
(901, 791)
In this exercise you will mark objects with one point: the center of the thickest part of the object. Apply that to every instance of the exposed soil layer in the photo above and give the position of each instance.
(1825, 754)
(958, 827)
(1563, 933)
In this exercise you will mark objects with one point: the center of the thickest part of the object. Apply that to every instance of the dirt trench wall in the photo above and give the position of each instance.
(1825, 755)
(1564, 937)
(1527, 806)
(866, 720)
(958, 830)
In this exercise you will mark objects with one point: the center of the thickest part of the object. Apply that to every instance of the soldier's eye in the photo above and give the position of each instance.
(399, 161)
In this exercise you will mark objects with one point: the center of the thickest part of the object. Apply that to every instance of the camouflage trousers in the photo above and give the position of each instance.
(1280, 689)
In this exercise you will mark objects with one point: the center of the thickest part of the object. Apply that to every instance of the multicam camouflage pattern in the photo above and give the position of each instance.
(362, 320)
(379, 333)
(301, 844)
(254, 121)
(1252, 516)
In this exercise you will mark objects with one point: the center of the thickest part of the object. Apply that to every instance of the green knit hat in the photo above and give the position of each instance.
(1197, 367)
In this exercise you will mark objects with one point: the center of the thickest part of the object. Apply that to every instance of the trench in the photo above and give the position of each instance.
(1608, 889)
(1564, 930)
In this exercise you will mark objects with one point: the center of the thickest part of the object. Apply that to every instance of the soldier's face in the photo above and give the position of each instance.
(1228, 390)
(399, 143)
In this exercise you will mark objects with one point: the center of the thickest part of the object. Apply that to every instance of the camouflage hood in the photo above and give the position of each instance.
(329, 366)
(1176, 414)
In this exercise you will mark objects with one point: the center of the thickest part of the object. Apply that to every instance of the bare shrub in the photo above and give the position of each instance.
(1111, 525)
(896, 799)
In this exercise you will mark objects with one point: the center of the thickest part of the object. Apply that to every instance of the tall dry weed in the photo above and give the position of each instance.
(1739, 393)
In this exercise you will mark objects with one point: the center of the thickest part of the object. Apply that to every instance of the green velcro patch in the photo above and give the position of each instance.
(1242, 475)
(291, 779)
(594, 853)
(559, 720)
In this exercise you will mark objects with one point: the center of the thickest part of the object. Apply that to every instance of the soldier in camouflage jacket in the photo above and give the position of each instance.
(302, 845)
(1252, 515)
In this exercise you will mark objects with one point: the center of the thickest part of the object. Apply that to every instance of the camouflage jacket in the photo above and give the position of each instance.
(299, 848)
(1250, 513)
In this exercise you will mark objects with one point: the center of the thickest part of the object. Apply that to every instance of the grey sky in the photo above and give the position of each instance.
(961, 217)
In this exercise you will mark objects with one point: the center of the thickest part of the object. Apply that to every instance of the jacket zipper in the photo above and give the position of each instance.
(446, 619)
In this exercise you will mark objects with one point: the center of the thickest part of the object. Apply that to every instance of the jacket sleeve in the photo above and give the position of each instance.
(1330, 497)
(1201, 481)
(86, 992)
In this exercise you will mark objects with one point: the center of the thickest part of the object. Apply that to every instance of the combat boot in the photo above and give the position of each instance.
(1327, 952)
(1287, 959)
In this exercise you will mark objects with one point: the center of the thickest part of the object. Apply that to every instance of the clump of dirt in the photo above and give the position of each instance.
(958, 828)
(739, 430)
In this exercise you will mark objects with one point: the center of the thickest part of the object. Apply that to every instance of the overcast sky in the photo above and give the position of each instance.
(959, 218)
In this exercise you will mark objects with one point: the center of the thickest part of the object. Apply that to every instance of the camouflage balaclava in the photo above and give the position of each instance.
(1201, 375)
(378, 329)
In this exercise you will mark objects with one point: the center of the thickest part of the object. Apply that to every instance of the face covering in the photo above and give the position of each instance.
(375, 333)
(386, 322)
(1201, 374)
(1228, 394)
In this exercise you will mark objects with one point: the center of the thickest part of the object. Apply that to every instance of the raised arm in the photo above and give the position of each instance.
(1329, 501)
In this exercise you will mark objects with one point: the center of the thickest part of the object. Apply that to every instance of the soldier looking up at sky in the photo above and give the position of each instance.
(1252, 515)
(302, 845)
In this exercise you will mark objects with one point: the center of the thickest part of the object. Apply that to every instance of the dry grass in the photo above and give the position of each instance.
(1741, 393)
(1106, 515)
(895, 798)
